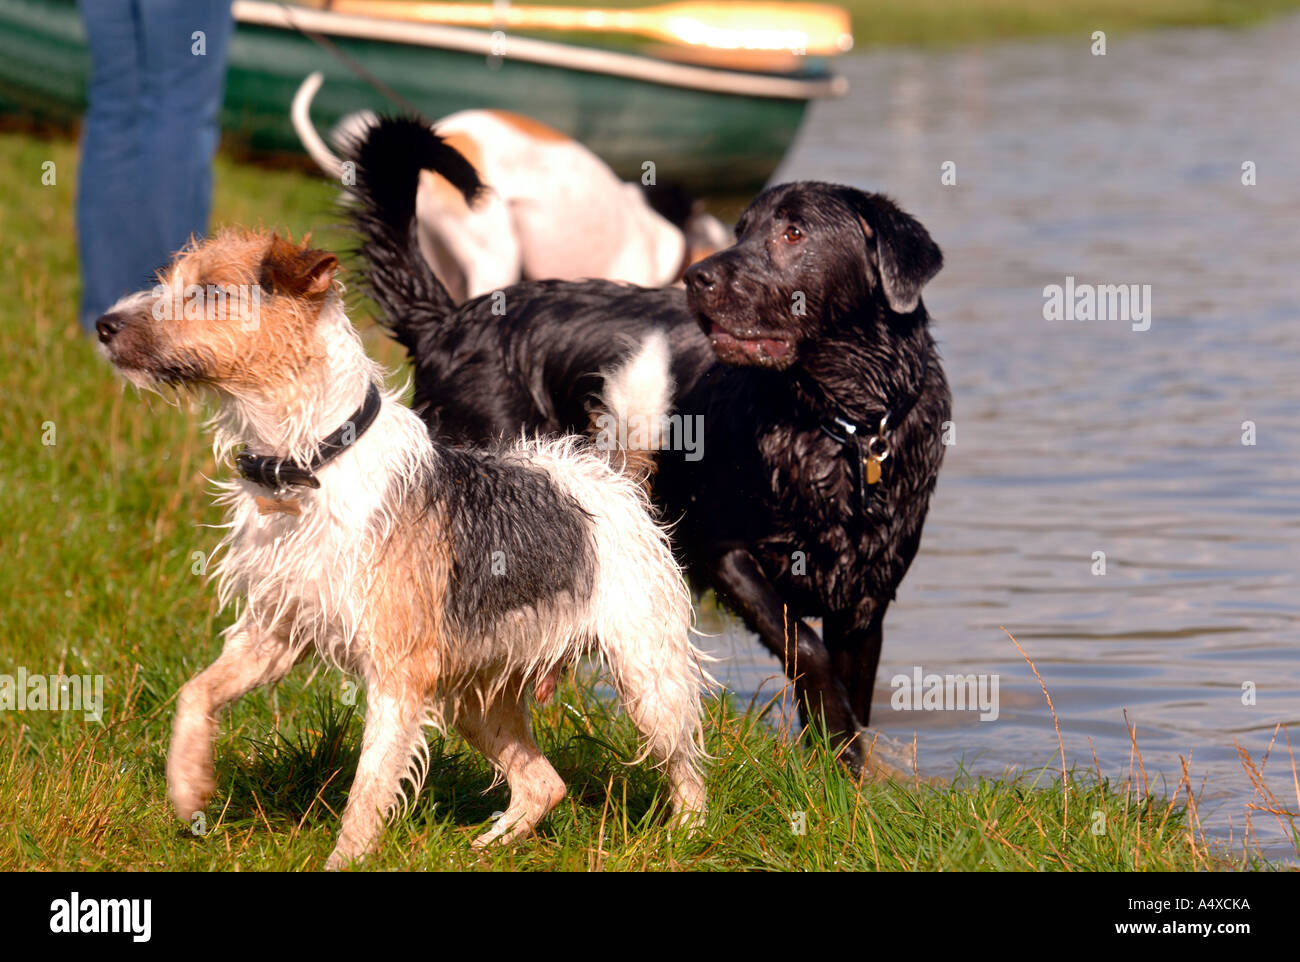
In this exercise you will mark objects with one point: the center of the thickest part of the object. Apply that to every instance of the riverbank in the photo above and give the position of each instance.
(106, 498)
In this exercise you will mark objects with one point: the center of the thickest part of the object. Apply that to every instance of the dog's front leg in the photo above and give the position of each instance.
(854, 643)
(391, 738)
(739, 579)
(250, 658)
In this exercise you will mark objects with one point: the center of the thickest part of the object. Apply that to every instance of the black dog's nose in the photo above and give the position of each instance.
(108, 327)
(698, 276)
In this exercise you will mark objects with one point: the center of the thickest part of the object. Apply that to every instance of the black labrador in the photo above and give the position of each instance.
(805, 352)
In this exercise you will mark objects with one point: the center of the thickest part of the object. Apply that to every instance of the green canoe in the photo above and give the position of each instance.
(718, 132)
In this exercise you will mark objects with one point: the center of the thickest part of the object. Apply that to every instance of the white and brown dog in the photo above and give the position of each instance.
(554, 209)
(451, 580)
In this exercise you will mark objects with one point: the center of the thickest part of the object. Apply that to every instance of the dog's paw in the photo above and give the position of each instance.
(189, 787)
(485, 840)
(342, 857)
(882, 758)
(505, 829)
(189, 805)
(687, 823)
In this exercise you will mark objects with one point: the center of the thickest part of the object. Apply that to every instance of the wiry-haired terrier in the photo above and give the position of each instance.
(452, 581)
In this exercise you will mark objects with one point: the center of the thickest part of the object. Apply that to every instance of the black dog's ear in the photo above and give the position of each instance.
(905, 252)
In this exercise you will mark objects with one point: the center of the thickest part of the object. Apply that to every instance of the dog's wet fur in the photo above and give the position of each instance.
(452, 581)
(815, 314)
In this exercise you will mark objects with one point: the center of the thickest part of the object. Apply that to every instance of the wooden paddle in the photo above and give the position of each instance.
(811, 28)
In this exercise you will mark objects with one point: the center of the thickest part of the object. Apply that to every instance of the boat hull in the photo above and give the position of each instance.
(715, 142)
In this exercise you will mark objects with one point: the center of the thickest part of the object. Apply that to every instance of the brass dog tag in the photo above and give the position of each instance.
(291, 505)
(873, 469)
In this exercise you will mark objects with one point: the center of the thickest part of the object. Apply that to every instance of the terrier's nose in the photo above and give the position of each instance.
(697, 277)
(108, 327)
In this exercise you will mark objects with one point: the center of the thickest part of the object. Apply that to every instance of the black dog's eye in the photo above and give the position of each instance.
(793, 235)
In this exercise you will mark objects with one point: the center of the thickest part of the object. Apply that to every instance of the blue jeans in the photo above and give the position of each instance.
(145, 181)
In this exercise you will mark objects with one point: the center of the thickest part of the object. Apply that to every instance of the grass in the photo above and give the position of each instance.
(103, 543)
(952, 22)
(943, 23)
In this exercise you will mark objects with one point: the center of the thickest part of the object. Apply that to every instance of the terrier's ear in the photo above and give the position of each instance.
(296, 271)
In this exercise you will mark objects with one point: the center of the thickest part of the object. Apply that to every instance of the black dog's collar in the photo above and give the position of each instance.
(280, 473)
(872, 445)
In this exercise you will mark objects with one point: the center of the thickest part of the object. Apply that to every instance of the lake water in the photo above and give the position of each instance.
(1074, 437)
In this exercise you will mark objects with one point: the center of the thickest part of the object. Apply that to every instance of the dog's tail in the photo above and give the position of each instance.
(388, 159)
(312, 142)
(631, 424)
(347, 133)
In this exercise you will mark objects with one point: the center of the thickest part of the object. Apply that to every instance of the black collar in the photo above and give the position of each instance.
(279, 473)
(871, 441)
(878, 426)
